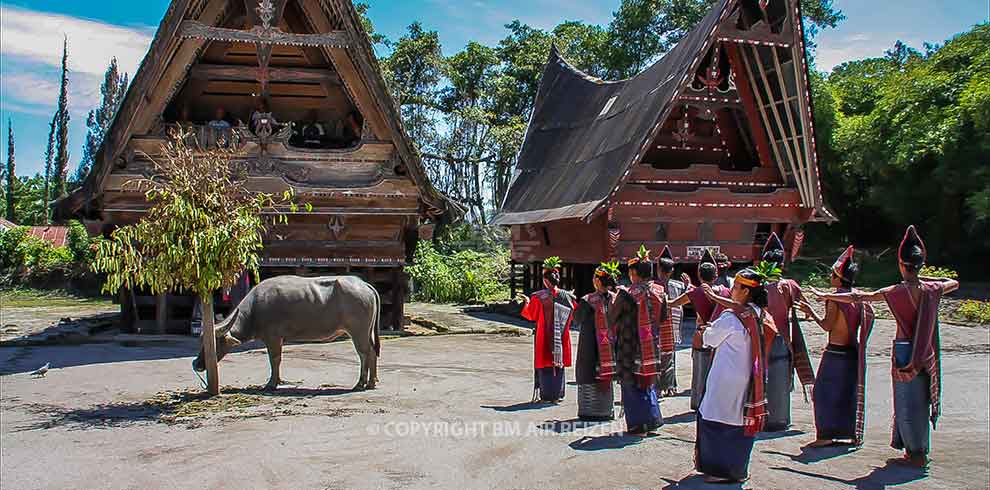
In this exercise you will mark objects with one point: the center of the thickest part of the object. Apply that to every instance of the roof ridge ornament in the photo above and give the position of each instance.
(266, 12)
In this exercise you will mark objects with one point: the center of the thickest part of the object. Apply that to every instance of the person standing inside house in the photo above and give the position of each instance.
(552, 310)
(916, 364)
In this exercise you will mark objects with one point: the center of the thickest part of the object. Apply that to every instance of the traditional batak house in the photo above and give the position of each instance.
(711, 146)
(295, 87)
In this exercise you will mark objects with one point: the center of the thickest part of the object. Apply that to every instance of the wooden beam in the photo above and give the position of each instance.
(746, 93)
(777, 119)
(801, 161)
(251, 73)
(192, 29)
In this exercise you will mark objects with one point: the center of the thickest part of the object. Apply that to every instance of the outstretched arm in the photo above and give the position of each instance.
(681, 300)
(948, 285)
(854, 296)
(719, 300)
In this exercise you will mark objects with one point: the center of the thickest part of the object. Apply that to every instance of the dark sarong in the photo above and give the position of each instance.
(780, 383)
(551, 383)
(702, 364)
(668, 372)
(595, 401)
(722, 450)
(912, 402)
(641, 408)
(835, 393)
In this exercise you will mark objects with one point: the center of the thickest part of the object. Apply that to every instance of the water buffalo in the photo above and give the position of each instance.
(292, 308)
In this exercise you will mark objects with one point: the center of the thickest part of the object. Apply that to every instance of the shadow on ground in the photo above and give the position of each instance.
(171, 407)
(891, 474)
(810, 455)
(697, 481)
(599, 443)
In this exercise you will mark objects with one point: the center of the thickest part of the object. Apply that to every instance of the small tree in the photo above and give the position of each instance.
(203, 230)
(10, 184)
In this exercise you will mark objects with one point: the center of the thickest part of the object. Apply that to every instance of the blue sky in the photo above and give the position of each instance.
(31, 35)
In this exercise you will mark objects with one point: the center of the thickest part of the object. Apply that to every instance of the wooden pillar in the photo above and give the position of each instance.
(512, 279)
(161, 313)
(397, 298)
(526, 280)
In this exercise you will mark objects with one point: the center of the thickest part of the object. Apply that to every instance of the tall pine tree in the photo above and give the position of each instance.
(62, 133)
(113, 88)
(11, 177)
(46, 195)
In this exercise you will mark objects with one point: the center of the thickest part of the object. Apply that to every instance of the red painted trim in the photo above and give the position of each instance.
(749, 103)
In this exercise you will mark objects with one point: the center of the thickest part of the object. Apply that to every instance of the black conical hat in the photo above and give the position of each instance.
(665, 253)
(911, 237)
(841, 265)
(709, 258)
(773, 243)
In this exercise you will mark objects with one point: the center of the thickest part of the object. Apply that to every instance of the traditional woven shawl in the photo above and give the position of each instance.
(604, 333)
(926, 351)
(781, 296)
(649, 303)
(761, 333)
(865, 329)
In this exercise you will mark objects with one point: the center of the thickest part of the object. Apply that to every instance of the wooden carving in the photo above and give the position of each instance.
(192, 29)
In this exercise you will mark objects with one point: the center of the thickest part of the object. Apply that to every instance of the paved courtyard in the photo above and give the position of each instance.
(451, 412)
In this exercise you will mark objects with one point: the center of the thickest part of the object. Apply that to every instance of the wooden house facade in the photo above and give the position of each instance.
(710, 147)
(295, 88)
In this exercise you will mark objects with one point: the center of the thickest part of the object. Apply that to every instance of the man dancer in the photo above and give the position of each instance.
(788, 351)
(916, 366)
(552, 310)
(673, 288)
(840, 386)
(705, 311)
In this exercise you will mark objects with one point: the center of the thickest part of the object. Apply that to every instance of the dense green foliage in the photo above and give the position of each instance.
(911, 144)
(468, 111)
(974, 311)
(466, 276)
(25, 259)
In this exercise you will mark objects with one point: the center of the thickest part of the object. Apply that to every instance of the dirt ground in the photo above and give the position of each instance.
(451, 411)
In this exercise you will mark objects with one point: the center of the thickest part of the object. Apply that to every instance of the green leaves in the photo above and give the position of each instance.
(203, 230)
(768, 271)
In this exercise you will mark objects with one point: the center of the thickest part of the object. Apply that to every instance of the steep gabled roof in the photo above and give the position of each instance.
(585, 134)
(167, 46)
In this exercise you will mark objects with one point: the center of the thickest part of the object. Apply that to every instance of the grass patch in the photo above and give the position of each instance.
(874, 272)
(38, 298)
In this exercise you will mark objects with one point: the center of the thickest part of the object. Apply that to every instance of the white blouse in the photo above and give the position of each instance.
(728, 381)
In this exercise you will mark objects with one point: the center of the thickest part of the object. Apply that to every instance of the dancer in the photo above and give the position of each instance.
(840, 386)
(552, 310)
(642, 321)
(734, 408)
(673, 288)
(705, 311)
(916, 363)
(595, 366)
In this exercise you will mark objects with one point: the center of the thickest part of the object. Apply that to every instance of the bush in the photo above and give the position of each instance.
(974, 311)
(463, 277)
(26, 259)
(939, 272)
(80, 244)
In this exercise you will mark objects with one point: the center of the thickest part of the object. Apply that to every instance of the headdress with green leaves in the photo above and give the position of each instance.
(765, 272)
(642, 255)
(552, 263)
(608, 269)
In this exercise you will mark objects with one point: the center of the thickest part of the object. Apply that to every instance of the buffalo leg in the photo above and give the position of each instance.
(275, 362)
(372, 366)
(362, 344)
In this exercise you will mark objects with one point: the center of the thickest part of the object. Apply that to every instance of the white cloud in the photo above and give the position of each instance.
(37, 37)
(31, 53)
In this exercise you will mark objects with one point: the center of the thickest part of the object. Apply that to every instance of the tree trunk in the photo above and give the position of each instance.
(210, 348)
